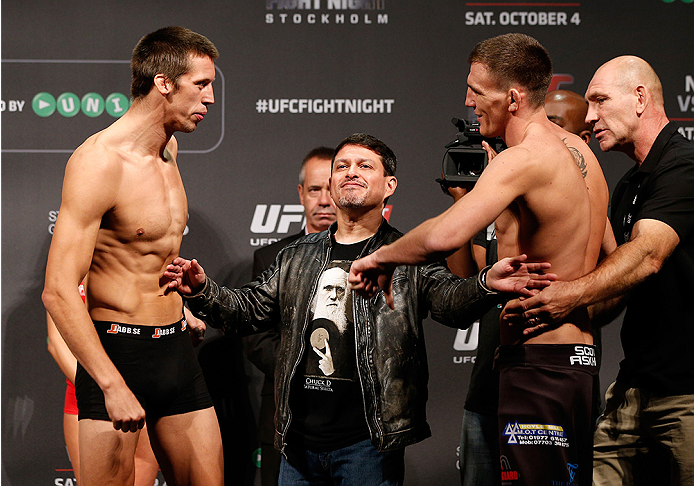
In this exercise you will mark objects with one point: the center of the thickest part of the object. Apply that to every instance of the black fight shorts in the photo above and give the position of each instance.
(545, 408)
(157, 363)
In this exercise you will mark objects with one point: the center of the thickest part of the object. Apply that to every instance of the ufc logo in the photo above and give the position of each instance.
(466, 339)
(558, 80)
(276, 218)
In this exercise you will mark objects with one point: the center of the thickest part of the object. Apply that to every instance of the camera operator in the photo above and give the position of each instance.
(479, 443)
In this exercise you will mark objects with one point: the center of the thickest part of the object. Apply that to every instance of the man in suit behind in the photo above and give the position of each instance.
(261, 349)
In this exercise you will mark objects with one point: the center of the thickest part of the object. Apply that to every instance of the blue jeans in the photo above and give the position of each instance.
(479, 450)
(360, 464)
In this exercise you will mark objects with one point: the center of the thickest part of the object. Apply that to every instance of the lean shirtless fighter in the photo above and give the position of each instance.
(541, 205)
(121, 220)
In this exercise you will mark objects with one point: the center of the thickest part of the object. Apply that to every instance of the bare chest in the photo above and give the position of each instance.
(150, 206)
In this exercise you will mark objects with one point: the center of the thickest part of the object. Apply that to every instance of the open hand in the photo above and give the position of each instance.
(187, 276)
(515, 275)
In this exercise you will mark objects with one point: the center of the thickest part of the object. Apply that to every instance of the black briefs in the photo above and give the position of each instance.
(157, 363)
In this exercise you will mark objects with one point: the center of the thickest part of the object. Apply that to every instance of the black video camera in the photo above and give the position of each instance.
(465, 157)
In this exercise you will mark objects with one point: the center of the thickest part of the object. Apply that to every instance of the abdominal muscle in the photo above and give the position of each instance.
(130, 289)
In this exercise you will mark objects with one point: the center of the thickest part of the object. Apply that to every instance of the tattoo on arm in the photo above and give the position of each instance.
(578, 157)
(580, 161)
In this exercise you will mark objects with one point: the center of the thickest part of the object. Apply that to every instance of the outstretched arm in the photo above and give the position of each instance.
(630, 264)
(515, 275)
(507, 177)
(508, 275)
(242, 311)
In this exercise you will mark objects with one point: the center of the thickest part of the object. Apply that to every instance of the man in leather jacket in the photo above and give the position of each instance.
(348, 402)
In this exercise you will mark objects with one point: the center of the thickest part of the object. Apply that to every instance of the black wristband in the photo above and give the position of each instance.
(482, 281)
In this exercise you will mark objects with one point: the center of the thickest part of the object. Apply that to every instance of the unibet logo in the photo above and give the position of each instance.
(43, 104)
(69, 104)
(117, 104)
(92, 104)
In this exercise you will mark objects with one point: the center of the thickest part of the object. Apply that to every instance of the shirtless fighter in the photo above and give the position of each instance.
(121, 220)
(541, 205)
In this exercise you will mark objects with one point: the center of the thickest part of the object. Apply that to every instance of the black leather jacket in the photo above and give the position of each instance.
(391, 356)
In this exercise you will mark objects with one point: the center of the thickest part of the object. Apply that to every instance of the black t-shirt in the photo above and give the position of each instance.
(326, 397)
(658, 328)
(483, 393)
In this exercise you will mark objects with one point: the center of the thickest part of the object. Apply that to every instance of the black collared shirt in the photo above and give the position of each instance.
(658, 329)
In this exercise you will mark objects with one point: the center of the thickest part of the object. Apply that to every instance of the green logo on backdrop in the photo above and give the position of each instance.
(92, 104)
(43, 104)
(69, 104)
(117, 104)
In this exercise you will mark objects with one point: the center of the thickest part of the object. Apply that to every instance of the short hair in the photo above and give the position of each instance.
(322, 153)
(516, 59)
(375, 145)
(166, 51)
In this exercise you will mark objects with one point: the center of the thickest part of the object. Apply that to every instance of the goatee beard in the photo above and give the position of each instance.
(351, 202)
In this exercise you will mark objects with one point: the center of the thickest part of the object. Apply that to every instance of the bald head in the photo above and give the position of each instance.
(629, 72)
(568, 110)
(625, 106)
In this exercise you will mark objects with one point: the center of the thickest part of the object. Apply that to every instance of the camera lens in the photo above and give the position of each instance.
(473, 164)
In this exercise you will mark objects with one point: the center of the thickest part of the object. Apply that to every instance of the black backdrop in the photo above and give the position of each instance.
(292, 75)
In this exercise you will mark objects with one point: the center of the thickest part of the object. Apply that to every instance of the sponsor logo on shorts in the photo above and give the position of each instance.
(536, 434)
(166, 331)
(572, 468)
(118, 329)
(184, 325)
(508, 473)
(584, 356)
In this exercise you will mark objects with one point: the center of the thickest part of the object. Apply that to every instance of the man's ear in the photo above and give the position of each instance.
(300, 189)
(391, 185)
(642, 99)
(514, 99)
(586, 136)
(163, 84)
